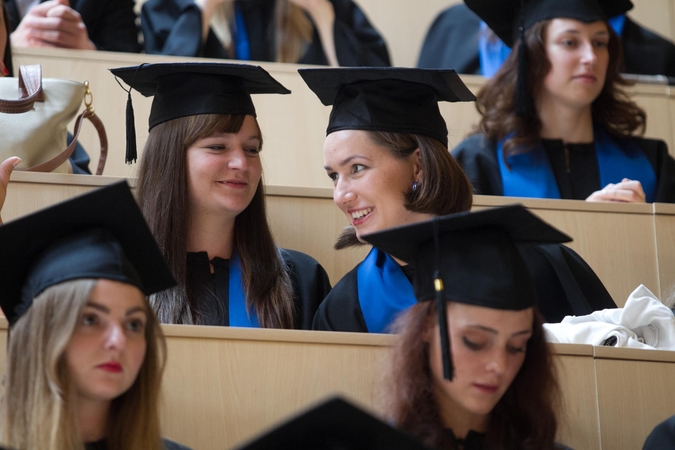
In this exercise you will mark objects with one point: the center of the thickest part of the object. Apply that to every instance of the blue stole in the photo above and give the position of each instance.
(239, 316)
(384, 291)
(240, 35)
(531, 174)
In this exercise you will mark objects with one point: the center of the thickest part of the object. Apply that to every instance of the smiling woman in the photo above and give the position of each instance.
(200, 188)
(555, 121)
(85, 355)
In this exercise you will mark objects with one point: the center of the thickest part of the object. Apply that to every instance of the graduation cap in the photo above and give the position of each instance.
(402, 100)
(334, 425)
(101, 234)
(188, 89)
(470, 257)
(509, 19)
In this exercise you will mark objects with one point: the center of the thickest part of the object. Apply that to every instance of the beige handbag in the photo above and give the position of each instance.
(34, 115)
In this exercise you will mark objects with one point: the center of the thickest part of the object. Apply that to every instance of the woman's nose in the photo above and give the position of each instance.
(115, 338)
(237, 159)
(342, 193)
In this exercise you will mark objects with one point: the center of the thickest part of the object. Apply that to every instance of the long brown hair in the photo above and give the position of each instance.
(162, 195)
(38, 405)
(612, 109)
(524, 417)
(444, 189)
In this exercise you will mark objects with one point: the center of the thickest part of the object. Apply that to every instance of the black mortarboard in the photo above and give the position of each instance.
(101, 234)
(402, 100)
(334, 425)
(509, 19)
(188, 89)
(470, 257)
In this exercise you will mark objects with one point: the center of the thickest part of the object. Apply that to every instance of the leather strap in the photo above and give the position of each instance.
(30, 91)
(62, 157)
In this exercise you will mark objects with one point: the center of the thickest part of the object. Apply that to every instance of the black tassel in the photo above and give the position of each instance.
(131, 154)
(523, 100)
(446, 353)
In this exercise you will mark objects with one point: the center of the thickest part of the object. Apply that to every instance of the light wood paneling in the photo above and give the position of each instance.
(634, 394)
(657, 15)
(664, 224)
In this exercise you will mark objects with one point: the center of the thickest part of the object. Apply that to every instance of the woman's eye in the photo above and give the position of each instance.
(216, 147)
(333, 176)
(357, 168)
(471, 345)
(601, 44)
(568, 42)
(89, 319)
(252, 150)
(136, 325)
(515, 350)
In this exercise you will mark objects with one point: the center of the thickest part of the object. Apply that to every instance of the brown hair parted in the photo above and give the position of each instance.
(163, 198)
(612, 109)
(38, 406)
(524, 417)
(444, 189)
(294, 31)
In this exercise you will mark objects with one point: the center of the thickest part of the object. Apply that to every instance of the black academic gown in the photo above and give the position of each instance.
(452, 43)
(662, 437)
(309, 279)
(566, 285)
(111, 24)
(173, 27)
(478, 157)
(168, 445)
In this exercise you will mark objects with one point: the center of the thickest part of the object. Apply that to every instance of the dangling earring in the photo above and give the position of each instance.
(415, 186)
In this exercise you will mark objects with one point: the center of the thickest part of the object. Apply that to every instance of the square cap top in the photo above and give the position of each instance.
(476, 254)
(395, 99)
(187, 89)
(334, 425)
(101, 234)
(505, 17)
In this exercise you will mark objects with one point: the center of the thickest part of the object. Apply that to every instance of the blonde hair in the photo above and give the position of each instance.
(38, 408)
(293, 29)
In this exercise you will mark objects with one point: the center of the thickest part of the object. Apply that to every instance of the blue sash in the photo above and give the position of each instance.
(384, 291)
(239, 316)
(492, 53)
(241, 43)
(531, 174)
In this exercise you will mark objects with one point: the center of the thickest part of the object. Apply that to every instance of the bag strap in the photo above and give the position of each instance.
(30, 91)
(62, 157)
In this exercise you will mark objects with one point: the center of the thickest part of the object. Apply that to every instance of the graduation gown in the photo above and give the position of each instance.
(168, 445)
(174, 27)
(309, 279)
(452, 43)
(566, 285)
(662, 437)
(478, 157)
(111, 24)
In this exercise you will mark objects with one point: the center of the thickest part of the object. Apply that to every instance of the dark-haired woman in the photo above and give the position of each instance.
(560, 126)
(200, 188)
(324, 32)
(386, 152)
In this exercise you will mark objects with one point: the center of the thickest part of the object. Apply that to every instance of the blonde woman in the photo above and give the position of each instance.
(325, 32)
(85, 354)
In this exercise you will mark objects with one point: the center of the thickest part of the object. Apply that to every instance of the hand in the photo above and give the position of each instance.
(6, 169)
(628, 191)
(52, 24)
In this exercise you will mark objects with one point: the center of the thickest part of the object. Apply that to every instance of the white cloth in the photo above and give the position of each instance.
(644, 322)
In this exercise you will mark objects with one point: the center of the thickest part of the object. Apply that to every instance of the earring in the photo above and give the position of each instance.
(415, 186)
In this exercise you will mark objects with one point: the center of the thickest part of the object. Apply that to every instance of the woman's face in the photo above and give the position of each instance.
(369, 182)
(224, 171)
(488, 349)
(107, 349)
(579, 56)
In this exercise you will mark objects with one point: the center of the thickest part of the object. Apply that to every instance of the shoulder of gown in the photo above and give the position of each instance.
(310, 285)
(341, 310)
(645, 52)
(477, 155)
(663, 164)
(452, 41)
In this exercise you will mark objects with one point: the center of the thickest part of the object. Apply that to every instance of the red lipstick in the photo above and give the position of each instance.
(486, 388)
(112, 367)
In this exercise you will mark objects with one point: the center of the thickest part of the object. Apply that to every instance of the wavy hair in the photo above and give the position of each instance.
(38, 409)
(612, 109)
(444, 189)
(524, 417)
(162, 195)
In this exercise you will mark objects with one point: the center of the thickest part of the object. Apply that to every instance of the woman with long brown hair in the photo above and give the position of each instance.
(325, 32)
(200, 188)
(85, 353)
(471, 368)
(555, 120)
